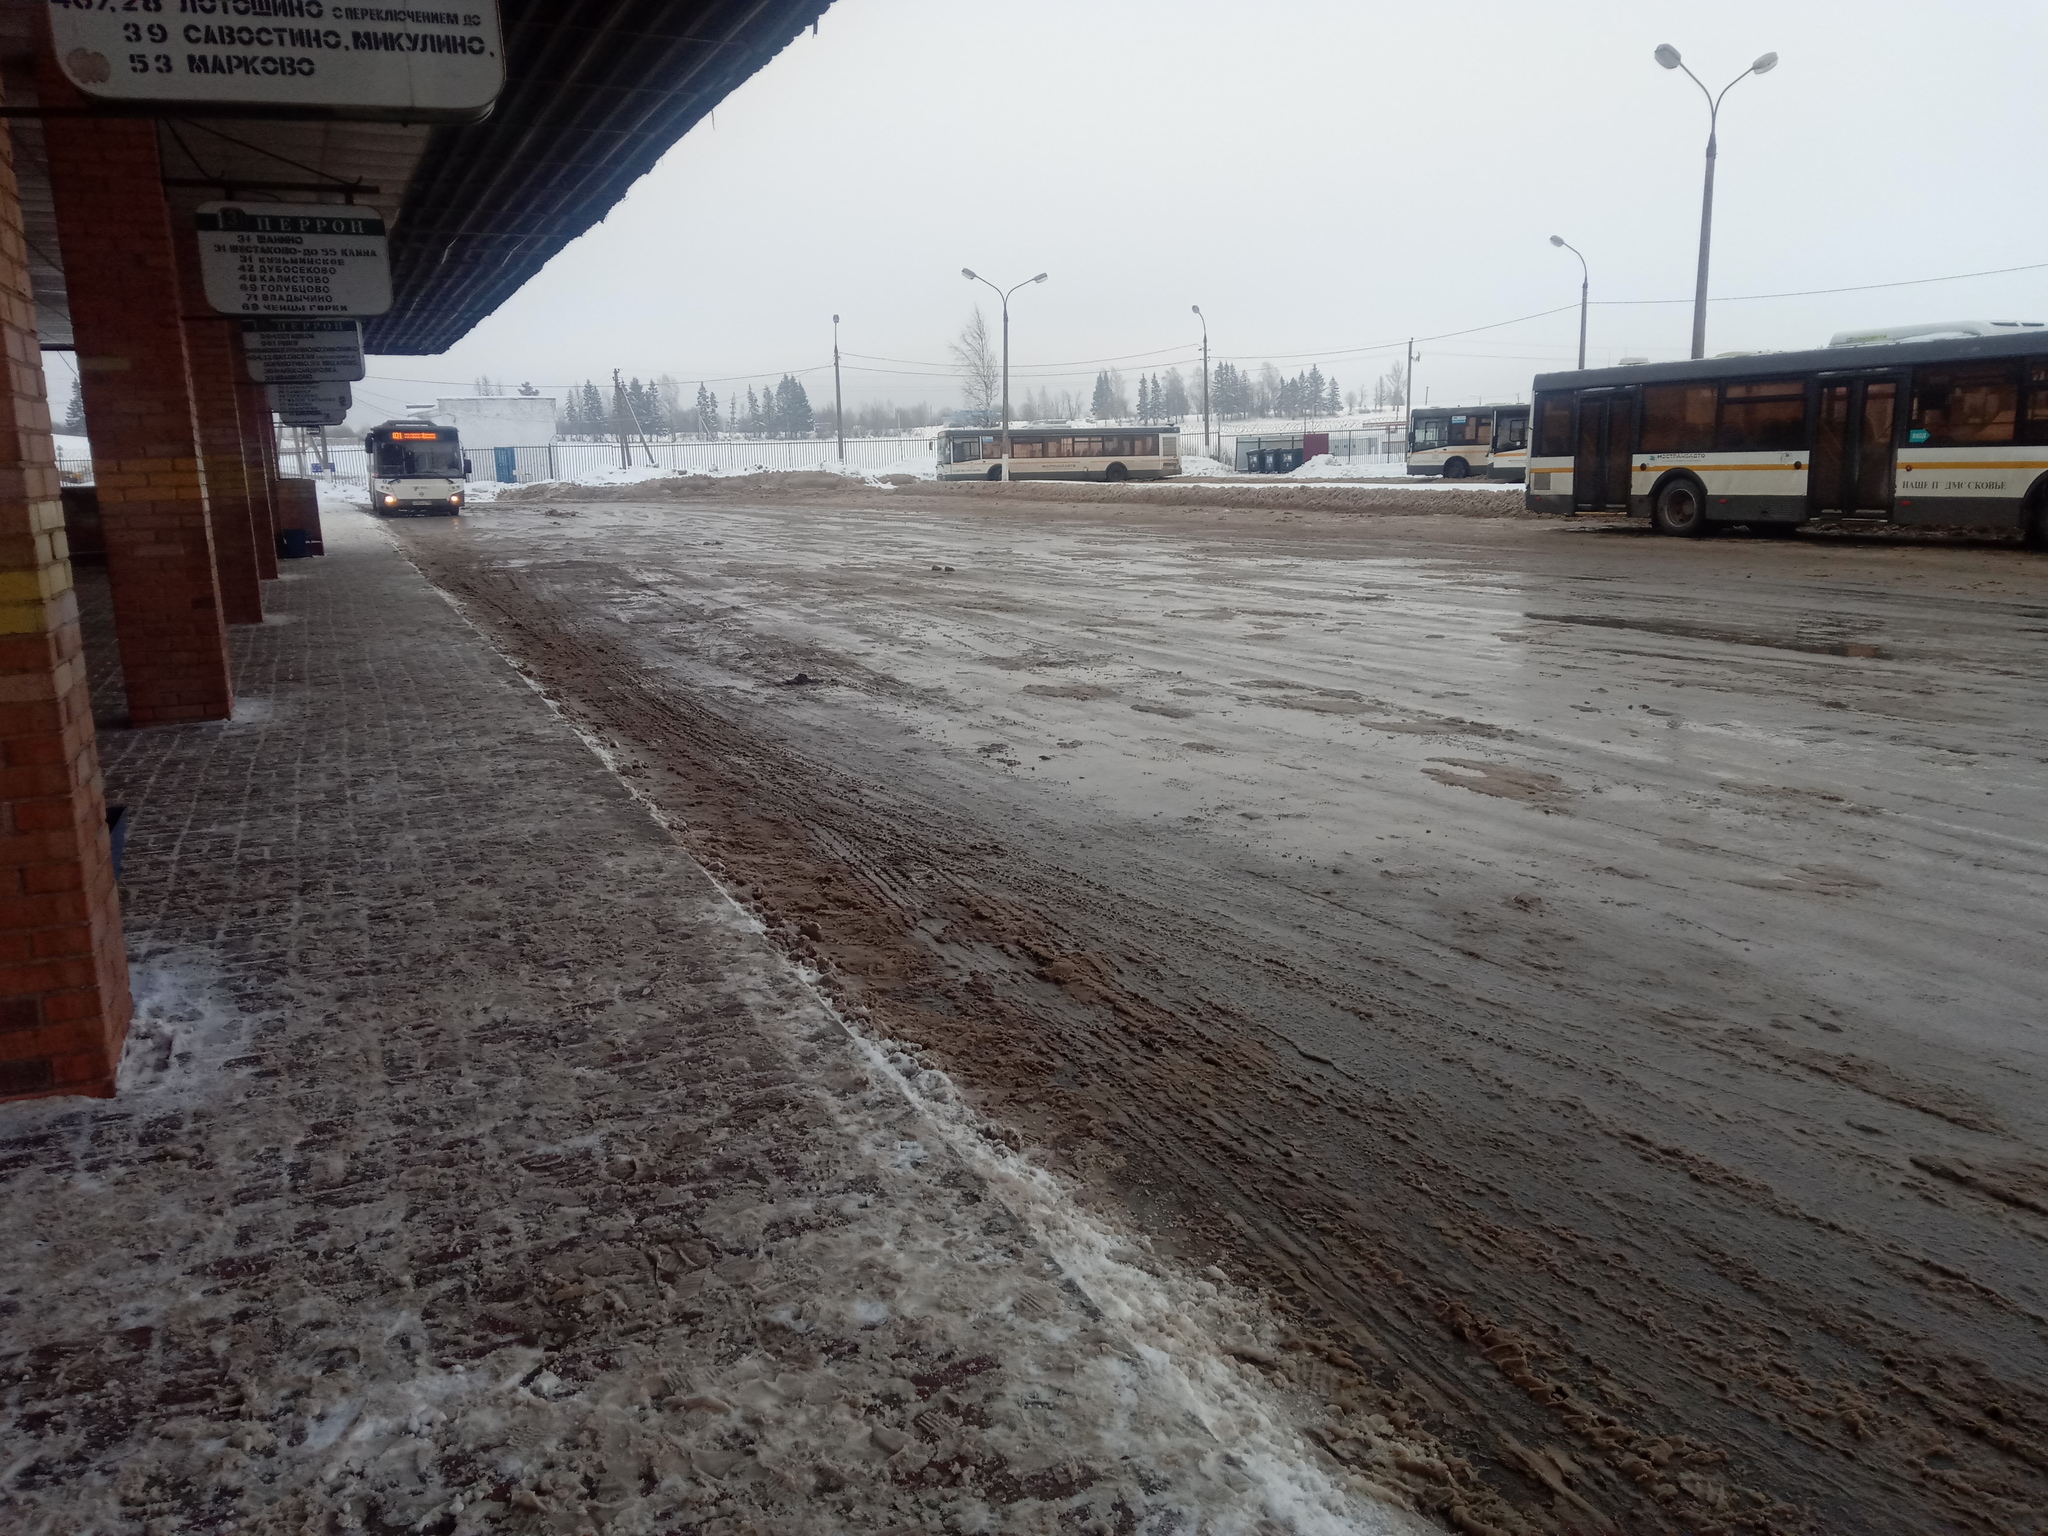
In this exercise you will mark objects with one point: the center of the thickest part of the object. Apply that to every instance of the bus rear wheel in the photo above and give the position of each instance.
(1456, 469)
(1116, 472)
(1680, 510)
(995, 471)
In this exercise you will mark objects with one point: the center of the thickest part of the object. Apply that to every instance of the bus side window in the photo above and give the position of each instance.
(1513, 434)
(1762, 417)
(2034, 425)
(1976, 404)
(1553, 417)
(965, 449)
(1678, 418)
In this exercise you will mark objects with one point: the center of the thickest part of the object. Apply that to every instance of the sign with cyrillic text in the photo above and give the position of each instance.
(311, 405)
(417, 62)
(316, 261)
(298, 351)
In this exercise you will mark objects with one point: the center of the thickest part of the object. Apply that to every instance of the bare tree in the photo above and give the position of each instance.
(486, 388)
(981, 375)
(1390, 388)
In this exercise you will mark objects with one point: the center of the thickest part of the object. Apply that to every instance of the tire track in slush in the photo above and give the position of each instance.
(1577, 1315)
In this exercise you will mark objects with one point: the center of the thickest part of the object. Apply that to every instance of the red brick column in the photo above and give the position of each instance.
(115, 233)
(64, 1002)
(214, 368)
(259, 455)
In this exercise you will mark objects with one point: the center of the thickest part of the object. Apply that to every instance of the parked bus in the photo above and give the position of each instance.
(416, 466)
(1946, 433)
(1060, 453)
(1460, 440)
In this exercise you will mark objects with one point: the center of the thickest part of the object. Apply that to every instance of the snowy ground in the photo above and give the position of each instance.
(482, 1164)
(1589, 978)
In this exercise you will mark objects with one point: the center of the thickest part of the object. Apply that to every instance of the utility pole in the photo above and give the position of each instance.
(838, 408)
(619, 417)
(1205, 378)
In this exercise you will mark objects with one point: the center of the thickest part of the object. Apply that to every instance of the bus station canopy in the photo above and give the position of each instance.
(596, 92)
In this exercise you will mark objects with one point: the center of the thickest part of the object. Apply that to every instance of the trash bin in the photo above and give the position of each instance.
(291, 543)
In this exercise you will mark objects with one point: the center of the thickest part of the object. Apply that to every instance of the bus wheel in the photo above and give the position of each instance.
(1681, 510)
(1116, 472)
(2035, 534)
(1456, 469)
(995, 471)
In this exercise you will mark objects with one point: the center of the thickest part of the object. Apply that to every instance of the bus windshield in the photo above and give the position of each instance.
(440, 460)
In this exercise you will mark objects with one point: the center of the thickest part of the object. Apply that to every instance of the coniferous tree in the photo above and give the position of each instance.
(793, 407)
(597, 416)
(753, 412)
(707, 410)
(1100, 407)
(1144, 398)
(74, 413)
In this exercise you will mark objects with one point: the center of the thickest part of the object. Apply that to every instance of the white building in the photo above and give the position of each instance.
(497, 421)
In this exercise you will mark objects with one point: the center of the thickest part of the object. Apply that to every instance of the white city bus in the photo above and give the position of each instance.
(1948, 433)
(415, 466)
(1460, 440)
(1060, 453)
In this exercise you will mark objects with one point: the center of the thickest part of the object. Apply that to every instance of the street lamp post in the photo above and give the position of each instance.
(1668, 57)
(838, 404)
(1584, 282)
(973, 276)
(1205, 378)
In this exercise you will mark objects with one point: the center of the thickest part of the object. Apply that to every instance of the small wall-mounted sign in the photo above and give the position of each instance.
(313, 57)
(303, 260)
(299, 351)
(311, 405)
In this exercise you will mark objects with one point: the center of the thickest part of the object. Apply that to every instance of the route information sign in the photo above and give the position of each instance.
(417, 62)
(308, 260)
(311, 405)
(302, 351)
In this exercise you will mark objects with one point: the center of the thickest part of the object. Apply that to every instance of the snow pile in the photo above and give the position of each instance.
(1201, 464)
(1324, 467)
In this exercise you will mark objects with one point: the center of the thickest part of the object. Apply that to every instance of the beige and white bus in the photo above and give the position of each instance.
(1455, 441)
(1950, 433)
(1060, 453)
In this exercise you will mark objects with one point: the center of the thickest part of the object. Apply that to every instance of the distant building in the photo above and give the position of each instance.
(497, 421)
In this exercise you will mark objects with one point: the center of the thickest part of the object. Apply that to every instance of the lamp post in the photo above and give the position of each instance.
(972, 276)
(1205, 377)
(1584, 282)
(839, 408)
(1668, 57)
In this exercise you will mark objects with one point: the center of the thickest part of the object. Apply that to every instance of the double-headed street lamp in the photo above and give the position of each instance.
(1205, 375)
(1668, 57)
(974, 276)
(1584, 282)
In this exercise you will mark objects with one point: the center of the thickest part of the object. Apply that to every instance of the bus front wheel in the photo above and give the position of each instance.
(1456, 469)
(2035, 534)
(995, 471)
(1680, 510)
(1116, 472)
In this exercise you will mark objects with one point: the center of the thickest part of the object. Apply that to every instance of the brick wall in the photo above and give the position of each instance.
(122, 277)
(64, 1004)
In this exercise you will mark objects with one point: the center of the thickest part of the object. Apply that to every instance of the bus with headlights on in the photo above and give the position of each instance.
(416, 467)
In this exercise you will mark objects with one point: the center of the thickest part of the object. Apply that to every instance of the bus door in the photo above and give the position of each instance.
(1607, 436)
(1853, 449)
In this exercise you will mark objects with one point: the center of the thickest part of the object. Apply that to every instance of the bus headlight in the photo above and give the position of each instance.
(456, 498)
(390, 501)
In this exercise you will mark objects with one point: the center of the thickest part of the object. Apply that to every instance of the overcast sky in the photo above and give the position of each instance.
(1324, 179)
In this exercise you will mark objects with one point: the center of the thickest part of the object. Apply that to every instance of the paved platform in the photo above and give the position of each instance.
(480, 1165)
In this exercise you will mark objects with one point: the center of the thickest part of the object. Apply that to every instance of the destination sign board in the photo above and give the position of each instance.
(294, 260)
(311, 405)
(298, 351)
(418, 62)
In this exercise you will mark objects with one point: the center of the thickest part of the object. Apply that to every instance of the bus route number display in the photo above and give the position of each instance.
(415, 62)
(297, 351)
(315, 260)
